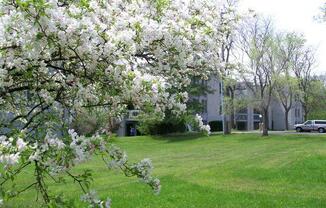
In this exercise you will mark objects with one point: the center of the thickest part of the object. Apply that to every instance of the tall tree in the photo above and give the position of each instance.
(257, 44)
(286, 89)
(317, 99)
(287, 92)
(228, 67)
(303, 62)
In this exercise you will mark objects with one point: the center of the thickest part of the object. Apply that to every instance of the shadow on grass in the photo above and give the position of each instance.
(178, 137)
(247, 137)
(313, 137)
(307, 171)
(173, 196)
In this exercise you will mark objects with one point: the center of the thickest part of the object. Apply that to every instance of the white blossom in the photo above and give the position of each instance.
(93, 200)
(10, 159)
(21, 145)
(204, 128)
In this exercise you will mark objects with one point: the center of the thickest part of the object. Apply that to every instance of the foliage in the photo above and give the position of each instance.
(317, 100)
(216, 125)
(288, 93)
(152, 124)
(97, 120)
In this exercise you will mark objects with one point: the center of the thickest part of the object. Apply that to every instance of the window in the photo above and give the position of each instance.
(204, 83)
(297, 113)
(220, 87)
(307, 123)
(204, 105)
(320, 122)
(221, 109)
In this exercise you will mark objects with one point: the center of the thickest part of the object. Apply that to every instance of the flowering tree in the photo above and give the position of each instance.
(60, 56)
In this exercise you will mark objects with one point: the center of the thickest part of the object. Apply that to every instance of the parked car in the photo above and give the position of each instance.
(312, 125)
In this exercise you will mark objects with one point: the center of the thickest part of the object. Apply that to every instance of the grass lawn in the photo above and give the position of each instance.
(240, 170)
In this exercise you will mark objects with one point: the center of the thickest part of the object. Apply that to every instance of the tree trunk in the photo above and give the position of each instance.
(286, 119)
(226, 113)
(305, 112)
(226, 126)
(265, 122)
(232, 116)
(232, 123)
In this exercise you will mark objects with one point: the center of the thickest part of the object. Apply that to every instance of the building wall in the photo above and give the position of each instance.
(214, 102)
(277, 116)
(276, 111)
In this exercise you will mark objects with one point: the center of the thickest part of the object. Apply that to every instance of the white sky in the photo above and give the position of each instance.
(295, 15)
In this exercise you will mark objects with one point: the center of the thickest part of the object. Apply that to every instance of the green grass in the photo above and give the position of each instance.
(240, 170)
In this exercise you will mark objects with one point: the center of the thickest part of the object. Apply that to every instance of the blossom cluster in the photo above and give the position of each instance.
(93, 200)
(204, 128)
(10, 153)
(143, 169)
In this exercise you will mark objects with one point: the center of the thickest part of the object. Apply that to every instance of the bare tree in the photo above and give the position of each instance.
(289, 45)
(286, 90)
(227, 70)
(303, 63)
(257, 44)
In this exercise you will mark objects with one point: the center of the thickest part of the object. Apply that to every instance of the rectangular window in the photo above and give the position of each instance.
(320, 122)
(204, 83)
(204, 105)
(220, 87)
(221, 109)
(297, 113)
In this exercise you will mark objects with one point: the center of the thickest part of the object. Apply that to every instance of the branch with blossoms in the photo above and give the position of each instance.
(55, 157)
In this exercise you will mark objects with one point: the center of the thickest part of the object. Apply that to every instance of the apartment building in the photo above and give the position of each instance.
(247, 118)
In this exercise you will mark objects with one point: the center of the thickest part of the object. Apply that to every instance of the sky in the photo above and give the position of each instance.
(295, 15)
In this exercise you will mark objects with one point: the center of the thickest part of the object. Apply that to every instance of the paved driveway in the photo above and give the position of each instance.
(278, 132)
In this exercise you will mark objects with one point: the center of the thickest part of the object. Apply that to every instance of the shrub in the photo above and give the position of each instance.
(154, 125)
(89, 122)
(216, 125)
